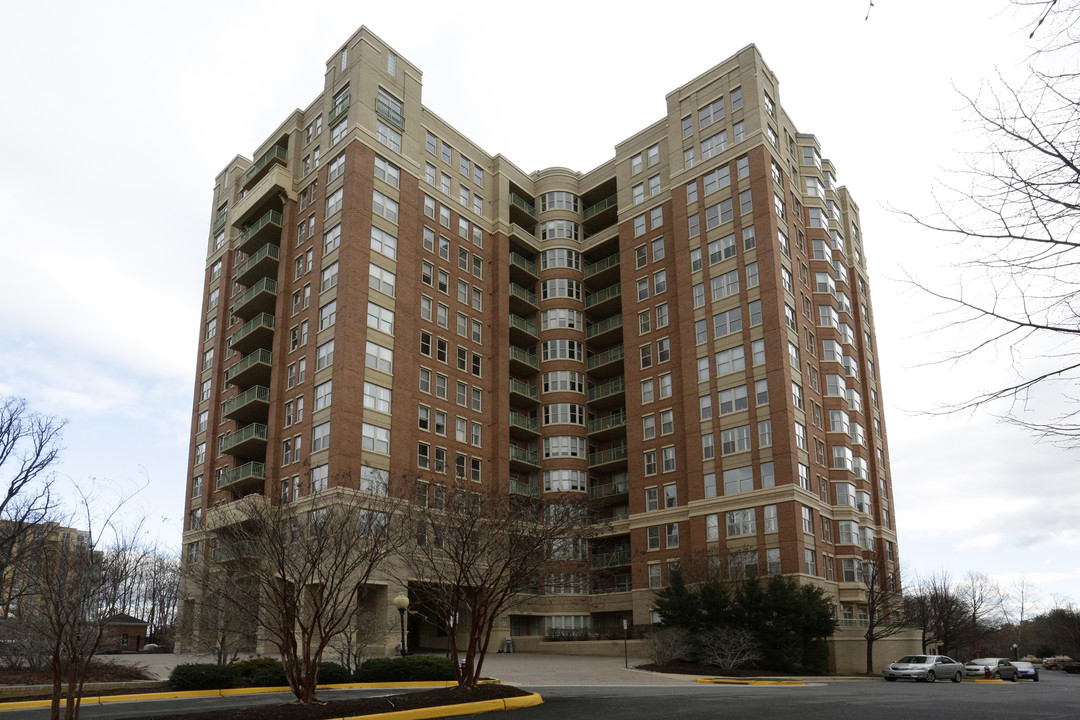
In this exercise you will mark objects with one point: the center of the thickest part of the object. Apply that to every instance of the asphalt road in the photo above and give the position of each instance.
(1056, 697)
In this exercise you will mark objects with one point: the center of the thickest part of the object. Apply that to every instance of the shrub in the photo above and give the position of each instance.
(331, 673)
(203, 676)
(408, 668)
(272, 675)
(252, 665)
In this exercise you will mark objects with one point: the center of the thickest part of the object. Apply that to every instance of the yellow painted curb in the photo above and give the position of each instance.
(177, 694)
(726, 681)
(472, 708)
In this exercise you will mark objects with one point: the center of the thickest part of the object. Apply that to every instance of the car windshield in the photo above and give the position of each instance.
(913, 659)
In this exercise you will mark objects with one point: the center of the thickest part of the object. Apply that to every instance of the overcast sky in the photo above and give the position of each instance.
(118, 115)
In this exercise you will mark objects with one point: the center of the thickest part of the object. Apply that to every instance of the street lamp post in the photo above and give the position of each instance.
(1016, 652)
(402, 604)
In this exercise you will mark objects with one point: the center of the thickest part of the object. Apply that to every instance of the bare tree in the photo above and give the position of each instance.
(366, 628)
(727, 647)
(885, 612)
(1016, 216)
(478, 548)
(29, 451)
(1016, 608)
(296, 571)
(667, 644)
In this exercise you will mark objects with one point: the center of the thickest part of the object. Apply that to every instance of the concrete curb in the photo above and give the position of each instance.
(472, 708)
(732, 681)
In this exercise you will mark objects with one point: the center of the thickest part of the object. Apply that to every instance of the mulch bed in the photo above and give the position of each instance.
(99, 671)
(688, 668)
(363, 706)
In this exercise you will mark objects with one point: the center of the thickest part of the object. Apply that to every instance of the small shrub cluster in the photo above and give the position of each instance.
(249, 666)
(203, 676)
(405, 669)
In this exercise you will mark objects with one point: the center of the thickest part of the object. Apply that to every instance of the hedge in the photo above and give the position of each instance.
(203, 676)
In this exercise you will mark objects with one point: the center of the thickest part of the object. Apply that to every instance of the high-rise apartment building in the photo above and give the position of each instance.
(684, 333)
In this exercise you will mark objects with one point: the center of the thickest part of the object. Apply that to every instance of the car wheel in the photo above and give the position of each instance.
(1014, 677)
(890, 679)
(931, 676)
(959, 676)
(1036, 678)
(996, 675)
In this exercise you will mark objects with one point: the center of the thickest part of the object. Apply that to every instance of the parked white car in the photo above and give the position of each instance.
(996, 668)
(924, 668)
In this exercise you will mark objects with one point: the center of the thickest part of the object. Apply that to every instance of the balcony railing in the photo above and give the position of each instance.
(522, 203)
(610, 455)
(523, 293)
(267, 286)
(608, 422)
(611, 559)
(621, 586)
(601, 265)
(268, 253)
(390, 114)
(276, 154)
(612, 387)
(260, 356)
(619, 487)
(524, 455)
(524, 263)
(610, 355)
(270, 218)
(254, 431)
(599, 207)
(220, 219)
(528, 489)
(528, 326)
(340, 108)
(247, 471)
(524, 356)
(600, 296)
(258, 394)
(524, 388)
(259, 322)
(522, 420)
(610, 323)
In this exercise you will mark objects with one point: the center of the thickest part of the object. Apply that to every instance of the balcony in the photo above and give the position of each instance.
(606, 301)
(528, 272)
(604, 332)
(523, 233)
(523, 204)
(248, 406)
(523, 426)
(611, 559)
(340, 108)
(605, 204)
(523, 362)
(259, 298)
(390, 114)
(610, 490)
(523, 392)
(522, 300)
(522, 331)
(607, 362)
(256, 333)
(523, 458)
(253, 369)
(249, 441)
(609, 459)
(219, 221)
(234, 552)
(610, 393)
(525, 489)
(263, 263)
(604, 271)
(276, 155)
(267, 194)
(608, 426)
(266, 229)
(247, 475)
(623, 584)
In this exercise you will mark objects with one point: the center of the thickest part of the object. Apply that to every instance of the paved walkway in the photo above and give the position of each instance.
(526, 669)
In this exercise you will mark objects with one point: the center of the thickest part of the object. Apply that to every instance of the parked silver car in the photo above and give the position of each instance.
(997, 668)
(924, 668)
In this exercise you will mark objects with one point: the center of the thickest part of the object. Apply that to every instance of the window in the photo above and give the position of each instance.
(337, 133)
(735, 440)
(334, 201)
(733, 400)
(384, 206)
(741, 522)
(377, 397)
(725, 285)
(329, 276)
(387, 172)
(649, 461)
(671, 535)
(740, 131)
(380, 318)
(375, 438)
(327, 314)
(320, 437)
(668, 456)
(764, 433)
(660, 282)
(388, 136)
(711, 113)
(716, 180)
(323, 393)
(807, 520)
(725, 323)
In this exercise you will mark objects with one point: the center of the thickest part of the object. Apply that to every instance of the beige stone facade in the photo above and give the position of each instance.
(684, 332)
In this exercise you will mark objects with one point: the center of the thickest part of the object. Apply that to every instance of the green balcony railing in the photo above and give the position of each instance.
(611, 559)
(220, 219)
(522, 203)
(262, 320)
(610, 323)
(340, 108)
(259, 356)
(619, 487)
(528, 489)
(519, 260)
(600, 296)
(254, 394)
(616, 419)
(390, 114)
(612, 354)
(266, 285)
(276, 154)
(620, 512)
(272, 217)
(621, 586)
(612, 387)
(601, 265)
(525, 294)
(607, 456)
(254, 431)
(524, 388)
(524, 455)
(248, 471)
(524, 325)
(269, 250)
(522, 420)
(599, 207)
(524, 356)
